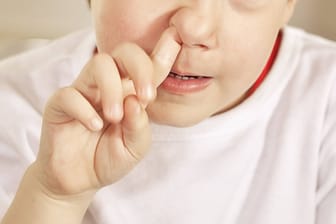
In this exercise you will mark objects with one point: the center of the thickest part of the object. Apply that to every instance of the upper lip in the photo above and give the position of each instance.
(185, 66)
(184, 73)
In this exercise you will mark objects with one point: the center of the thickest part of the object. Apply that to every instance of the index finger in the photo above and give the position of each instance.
(165, 54)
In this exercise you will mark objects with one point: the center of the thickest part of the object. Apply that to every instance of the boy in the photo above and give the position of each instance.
(238, 110)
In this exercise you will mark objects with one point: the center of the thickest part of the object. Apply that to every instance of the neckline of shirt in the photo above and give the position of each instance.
(256, 106)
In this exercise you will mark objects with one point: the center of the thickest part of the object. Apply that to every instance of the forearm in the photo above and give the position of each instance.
(33, 205)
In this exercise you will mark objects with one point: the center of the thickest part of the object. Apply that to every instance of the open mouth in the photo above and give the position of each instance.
(185, 83)
(185, 77)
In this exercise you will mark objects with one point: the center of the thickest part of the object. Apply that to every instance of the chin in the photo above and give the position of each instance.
(180, 120)
(174, 123)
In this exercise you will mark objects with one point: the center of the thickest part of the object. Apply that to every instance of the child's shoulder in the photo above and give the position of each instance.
(73, 45)
(311, 57)
(310, 45)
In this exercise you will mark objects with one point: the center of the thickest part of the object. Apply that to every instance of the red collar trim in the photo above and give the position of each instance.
(267, 67)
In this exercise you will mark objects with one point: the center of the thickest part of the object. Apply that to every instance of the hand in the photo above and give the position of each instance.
(96, 130)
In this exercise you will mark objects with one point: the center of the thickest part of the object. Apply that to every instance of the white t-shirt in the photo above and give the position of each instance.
(270, 160)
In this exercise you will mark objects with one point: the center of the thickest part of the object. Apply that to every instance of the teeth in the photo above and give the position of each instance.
(184, 77)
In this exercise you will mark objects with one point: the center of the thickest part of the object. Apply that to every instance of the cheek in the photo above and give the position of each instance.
(253, 5)
(243, 60)
(113, 28)
(128, 24)
(252, 39)
(248, 49)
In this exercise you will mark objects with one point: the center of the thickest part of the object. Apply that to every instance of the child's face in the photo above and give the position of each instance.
(228, 41)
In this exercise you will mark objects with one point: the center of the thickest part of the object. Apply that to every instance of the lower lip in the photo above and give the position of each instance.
(179, 86)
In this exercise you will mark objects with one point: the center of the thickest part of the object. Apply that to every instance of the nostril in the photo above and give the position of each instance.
(195, 29)
(200, 46)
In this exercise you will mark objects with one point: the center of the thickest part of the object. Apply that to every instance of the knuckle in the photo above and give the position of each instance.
(128, 46)
(63, 94)
(102, 69)
(100, 61)
(133, 62)
(58, 100)
(100, 58)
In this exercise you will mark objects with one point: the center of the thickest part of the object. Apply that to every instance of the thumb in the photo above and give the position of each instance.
(135, 128)
(165, 54)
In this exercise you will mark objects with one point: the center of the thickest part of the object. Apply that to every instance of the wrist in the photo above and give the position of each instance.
(34, 203)
(33, 180)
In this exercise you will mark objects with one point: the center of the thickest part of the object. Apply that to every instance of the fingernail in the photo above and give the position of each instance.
(147, 93)
(166, 50)
(115, 112)
(96, 124)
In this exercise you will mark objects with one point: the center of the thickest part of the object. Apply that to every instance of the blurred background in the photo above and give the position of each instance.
(29, 23)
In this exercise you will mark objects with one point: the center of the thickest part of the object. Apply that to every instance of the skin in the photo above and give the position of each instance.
(96, 130)
(228, 34)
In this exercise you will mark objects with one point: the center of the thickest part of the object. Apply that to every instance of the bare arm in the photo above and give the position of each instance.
(32, 204)
(94, 132)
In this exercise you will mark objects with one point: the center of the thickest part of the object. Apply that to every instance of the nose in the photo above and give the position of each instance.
(196, 25)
